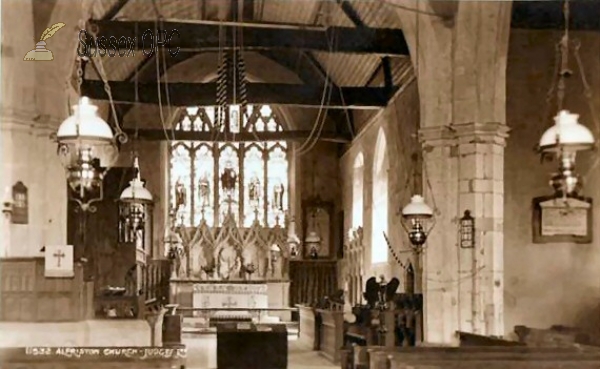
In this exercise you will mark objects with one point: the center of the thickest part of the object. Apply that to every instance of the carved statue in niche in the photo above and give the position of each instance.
(201, 252)
(251, 258)
(196, 257)
(228, 261)
(253, 254)
(276, 265)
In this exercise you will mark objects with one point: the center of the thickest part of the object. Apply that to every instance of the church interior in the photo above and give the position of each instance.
(299, 184)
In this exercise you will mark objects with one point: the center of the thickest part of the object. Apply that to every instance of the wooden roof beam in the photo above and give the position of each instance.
(200, 36)
(204, 94)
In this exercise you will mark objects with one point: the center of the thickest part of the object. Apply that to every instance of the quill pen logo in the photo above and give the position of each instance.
(40, 53)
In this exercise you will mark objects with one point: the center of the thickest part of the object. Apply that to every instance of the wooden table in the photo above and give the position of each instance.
(261, 346)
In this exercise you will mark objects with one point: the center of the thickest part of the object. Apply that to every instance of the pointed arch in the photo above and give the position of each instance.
(358, 191)
(379, 250)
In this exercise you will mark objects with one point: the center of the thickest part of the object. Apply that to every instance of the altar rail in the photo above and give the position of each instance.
(255, 313)
(27, 295)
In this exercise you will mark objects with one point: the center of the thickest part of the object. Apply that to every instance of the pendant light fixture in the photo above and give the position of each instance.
(415, 217)
(564, 140)
(567, 136)
(135, 200)
(87, 146)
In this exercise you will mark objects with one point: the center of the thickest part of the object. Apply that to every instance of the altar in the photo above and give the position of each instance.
(230, 268)
(219, 297)
(230, 295)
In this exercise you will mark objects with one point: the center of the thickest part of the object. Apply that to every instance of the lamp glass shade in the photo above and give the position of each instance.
(417, 208)
(312, 238)
(84, 122)
(275, 248)
(567, 133)
(85, 130)
(136, 193)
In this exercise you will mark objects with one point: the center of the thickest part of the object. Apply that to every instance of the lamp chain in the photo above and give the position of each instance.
(80, 61)
(395, 254)
(99, 66)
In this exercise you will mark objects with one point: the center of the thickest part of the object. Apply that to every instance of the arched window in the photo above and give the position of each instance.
(210, 179)
(357, 191)
(379, 249)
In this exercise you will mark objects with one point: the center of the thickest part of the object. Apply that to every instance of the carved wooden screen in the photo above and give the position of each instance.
(353, 265)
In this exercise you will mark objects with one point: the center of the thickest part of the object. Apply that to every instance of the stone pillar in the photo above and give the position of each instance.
(463, 287)
(459, 52)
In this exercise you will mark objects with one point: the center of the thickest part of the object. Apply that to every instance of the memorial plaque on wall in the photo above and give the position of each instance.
(20, 214)
(562, 220)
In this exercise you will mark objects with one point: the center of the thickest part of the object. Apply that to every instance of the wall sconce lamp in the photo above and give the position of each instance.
(564, 139)
(415, 217)
(467, 231)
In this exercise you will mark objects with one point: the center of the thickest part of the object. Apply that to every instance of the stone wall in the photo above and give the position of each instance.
(556, 283)
(399, 122)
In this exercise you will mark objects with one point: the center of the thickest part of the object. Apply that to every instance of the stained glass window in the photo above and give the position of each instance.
(211, 179)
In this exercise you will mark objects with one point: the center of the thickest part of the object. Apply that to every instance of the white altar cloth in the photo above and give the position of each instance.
(230, 295)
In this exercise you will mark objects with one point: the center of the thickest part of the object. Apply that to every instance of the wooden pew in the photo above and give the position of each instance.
(331, 334)
(309, 327)
(91, 357)
(483, 357)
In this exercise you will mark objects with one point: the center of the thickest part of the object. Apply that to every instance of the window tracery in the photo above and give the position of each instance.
(210, 179)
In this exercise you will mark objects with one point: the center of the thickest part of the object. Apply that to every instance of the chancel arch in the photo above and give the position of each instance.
(379, 223)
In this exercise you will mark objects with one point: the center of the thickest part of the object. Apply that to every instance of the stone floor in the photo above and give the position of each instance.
(202, 354)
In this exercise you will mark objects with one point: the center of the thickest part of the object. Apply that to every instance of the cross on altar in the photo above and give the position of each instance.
(229, 303)
(59, 255)
(59, 261)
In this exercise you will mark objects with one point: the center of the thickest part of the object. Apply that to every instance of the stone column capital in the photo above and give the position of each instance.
(464, 133)
(490, 132)
(437, 136)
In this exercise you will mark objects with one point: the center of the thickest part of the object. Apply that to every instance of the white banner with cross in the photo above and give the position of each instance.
(59, 261)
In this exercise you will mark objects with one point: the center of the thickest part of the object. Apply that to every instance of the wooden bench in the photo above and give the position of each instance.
(92, 357)
(483, 358)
